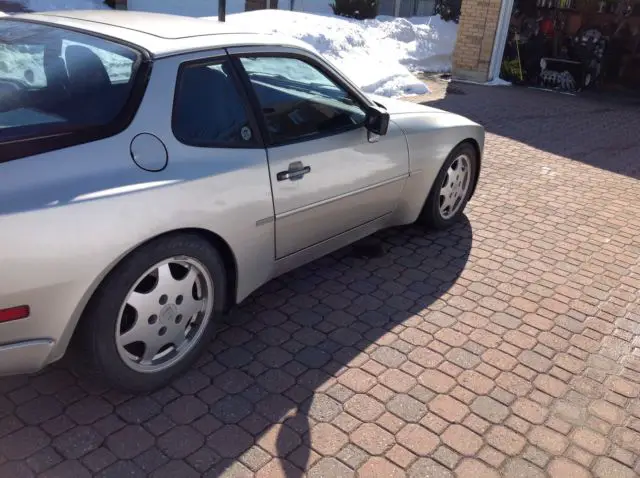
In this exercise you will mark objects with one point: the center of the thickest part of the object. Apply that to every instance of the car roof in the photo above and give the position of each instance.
(160, 34)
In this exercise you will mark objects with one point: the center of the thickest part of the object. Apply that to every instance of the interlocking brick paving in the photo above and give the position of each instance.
(506, 346)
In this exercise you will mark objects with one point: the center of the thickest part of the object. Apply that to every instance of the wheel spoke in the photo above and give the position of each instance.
(446, 203)
(145, 304)
(179, 334)
(151, 349)
(446, 188)
(190, 278)
(190, 307)
(165, 278)
(138, 333)
(455, 201)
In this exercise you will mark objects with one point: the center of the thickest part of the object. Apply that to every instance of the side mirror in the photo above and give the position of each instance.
(377, 121)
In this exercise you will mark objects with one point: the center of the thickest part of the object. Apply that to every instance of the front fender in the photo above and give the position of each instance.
(431, 136)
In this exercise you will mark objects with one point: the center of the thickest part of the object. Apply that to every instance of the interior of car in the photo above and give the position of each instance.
(294, 108)
(209, 109)
(53, 82)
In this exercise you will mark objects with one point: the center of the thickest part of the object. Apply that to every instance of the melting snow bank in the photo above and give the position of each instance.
(378, 55)
(494, 82)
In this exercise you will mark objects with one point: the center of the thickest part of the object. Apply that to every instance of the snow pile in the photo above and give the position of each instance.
(378, 55)
(424, 43)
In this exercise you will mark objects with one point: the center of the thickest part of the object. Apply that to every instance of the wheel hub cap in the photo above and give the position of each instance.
(164, 314)
(455, 185)
(168, 314)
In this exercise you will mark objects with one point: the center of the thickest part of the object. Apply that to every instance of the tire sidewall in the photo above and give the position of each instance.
(432, 210)
(103, 311)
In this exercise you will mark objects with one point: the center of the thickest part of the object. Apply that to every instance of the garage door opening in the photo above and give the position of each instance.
(574, 45)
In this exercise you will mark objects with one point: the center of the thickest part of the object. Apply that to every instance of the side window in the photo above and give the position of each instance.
(118, 67)
(55, 81)
(299, 101)
(208, 108)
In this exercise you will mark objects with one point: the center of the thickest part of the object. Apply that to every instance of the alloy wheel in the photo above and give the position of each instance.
(455, 186)
(164, 314)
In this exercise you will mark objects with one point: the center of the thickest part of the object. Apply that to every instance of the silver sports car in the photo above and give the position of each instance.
(157, 169)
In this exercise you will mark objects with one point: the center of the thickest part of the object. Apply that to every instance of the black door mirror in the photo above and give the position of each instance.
(377, 120)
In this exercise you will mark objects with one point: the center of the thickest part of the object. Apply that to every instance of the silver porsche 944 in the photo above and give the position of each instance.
(157, 169)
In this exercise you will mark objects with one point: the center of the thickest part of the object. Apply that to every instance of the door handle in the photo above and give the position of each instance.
(296, 171)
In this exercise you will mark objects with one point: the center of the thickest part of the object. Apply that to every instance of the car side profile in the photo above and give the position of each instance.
(155, 170)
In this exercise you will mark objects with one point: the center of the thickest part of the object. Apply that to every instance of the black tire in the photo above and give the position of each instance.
(430, 215)
(98, 325)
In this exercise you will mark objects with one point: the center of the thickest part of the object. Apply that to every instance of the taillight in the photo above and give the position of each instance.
(14, 313)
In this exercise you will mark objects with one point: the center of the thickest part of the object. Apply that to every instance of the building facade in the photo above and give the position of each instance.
(482, 33)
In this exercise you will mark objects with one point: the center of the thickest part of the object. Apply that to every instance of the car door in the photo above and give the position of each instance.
(328, 174)
(215, 146)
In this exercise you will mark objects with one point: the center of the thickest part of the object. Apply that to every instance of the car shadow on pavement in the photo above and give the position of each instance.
(599, 133)
(320, 331)
(274, 383)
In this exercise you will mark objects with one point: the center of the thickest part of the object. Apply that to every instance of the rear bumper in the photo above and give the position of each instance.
(25, 357)
(29, 344)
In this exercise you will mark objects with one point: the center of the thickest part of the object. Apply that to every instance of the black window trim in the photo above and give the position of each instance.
(306, 59)
(256, 130)
(52, 141)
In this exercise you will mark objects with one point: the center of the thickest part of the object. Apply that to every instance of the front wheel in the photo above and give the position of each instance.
(452, 188)
(156, 312)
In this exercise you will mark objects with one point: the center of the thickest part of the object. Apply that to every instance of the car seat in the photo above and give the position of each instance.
(90, 88)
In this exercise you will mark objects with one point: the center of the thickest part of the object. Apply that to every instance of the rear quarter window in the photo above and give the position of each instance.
(58, 83)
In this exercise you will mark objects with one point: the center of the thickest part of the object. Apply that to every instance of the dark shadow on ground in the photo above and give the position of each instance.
(599, 130)
(317, 320)
(268, 377)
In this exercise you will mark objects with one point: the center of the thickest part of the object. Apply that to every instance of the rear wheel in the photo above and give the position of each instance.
(156, 312)
(452, 188)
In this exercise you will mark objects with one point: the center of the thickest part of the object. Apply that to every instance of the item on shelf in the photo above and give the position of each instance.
(547, 27)
(581, 60)
(559, 80)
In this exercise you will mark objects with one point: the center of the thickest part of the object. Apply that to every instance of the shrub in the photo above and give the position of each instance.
(359, 9)
(449, 10)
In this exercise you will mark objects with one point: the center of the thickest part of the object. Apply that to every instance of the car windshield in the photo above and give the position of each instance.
(296, 74)
(56, 80)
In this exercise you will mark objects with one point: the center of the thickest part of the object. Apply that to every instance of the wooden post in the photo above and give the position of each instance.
(222, 10)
